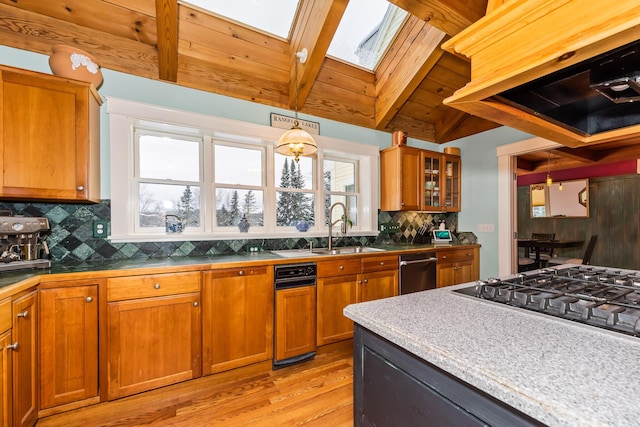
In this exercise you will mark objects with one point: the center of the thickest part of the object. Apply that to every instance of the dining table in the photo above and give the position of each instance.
(537, 244)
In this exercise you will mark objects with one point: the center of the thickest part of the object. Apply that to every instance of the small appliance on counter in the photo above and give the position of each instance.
(23, 243)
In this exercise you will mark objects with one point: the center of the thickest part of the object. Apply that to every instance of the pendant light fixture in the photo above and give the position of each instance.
(296, 142)
(549, 180)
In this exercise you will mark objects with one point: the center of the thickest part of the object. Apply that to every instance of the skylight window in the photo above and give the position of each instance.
(272, 16)
(366, 30)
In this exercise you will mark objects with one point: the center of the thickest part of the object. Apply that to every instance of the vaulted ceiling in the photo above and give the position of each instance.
(174, 42)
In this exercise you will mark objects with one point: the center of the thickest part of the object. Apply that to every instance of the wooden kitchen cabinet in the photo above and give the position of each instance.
(413, 179)
(295, 322)
(6, 373)
(400, 179)
(457, 266)
(237, 317)
(50, 137)
(337, 288)
(68, 344)
(348, 281)
(379, 278)
(24, 359)
(153, 332)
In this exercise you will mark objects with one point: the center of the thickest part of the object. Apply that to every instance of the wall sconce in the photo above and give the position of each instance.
(296, 142)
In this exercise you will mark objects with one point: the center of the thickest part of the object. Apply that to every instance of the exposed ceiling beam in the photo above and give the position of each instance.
(167, 23)
(580, 154)
(313, 29)
(526, 164)
(450, 120)
(450, 16)
(404, 71)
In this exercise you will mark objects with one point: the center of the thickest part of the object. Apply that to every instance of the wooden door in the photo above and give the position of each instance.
(334, 294)
(68, 345)
(49, 138)
(295, 322)
(24, 360)
(451, 183)
(377, 285)
(153, 342)
(237, 318)
(400, 178)
(6, 392)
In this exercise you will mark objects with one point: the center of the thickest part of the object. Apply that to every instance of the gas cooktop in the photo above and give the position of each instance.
(597, 296)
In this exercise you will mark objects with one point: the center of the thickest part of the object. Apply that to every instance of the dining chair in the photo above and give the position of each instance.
(586, 258)
(545, 253)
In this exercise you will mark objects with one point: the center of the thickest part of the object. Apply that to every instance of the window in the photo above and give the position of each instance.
(208, 174)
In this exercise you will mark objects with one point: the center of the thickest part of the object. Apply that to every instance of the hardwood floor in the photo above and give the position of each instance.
(314, 393)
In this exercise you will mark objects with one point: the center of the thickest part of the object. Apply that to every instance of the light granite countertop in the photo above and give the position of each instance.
(559, 372)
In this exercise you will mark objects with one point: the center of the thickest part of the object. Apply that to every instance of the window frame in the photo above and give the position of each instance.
(125, 115)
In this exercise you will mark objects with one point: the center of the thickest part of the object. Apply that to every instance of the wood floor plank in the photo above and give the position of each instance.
(315, 393)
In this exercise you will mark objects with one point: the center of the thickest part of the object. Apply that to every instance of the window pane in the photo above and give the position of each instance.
(159, 200)
(289, 174)
(292, 207)
(339, 176)
(232, 205)
(351, 202)
(235, 165)
(164, 157)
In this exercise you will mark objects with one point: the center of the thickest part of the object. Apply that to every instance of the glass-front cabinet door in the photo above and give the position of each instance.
(451, 183)
(432, 173)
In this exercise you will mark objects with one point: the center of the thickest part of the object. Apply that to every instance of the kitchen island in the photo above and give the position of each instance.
(555, 371)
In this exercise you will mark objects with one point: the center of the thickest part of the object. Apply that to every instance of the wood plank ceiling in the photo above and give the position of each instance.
(171, 41)
(175, 42)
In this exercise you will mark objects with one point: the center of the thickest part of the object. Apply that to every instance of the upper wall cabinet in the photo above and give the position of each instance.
(50, 140)
(412, 179)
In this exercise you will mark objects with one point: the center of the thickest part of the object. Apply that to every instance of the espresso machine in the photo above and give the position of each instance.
(23, 243)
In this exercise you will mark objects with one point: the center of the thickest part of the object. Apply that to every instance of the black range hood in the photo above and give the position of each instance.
(593, 96)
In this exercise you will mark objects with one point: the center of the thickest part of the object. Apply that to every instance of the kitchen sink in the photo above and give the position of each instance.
(299, 253)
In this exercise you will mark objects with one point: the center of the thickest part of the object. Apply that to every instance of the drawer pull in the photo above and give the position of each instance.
(381, 262)
(366, 281)
(24, 314)
(13, 346)
(444, 257)
(156, 286)
(468, 254)
(80, 187)
(241, 272)
(359, 282)
(341, 267)
(88, 299)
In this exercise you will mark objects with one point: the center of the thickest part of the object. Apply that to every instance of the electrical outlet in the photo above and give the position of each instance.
(100, 229)
(254, 249)
(485, 228)
(393, 226)
(382, 227)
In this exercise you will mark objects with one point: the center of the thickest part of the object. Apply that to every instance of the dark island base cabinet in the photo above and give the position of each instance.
(393, 387)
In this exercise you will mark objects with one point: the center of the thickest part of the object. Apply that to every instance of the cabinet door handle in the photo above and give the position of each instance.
(381, 262)
(80, 187)
(341, 267)
(366, 281)
(88, 299)
(359, 282)
(195, 303)
(13, 346)
(24, 314)
(468, 254)
(241, 273)
(156, 286)
(444, 257)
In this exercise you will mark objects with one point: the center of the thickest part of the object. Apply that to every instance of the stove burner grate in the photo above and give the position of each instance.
(596, 296)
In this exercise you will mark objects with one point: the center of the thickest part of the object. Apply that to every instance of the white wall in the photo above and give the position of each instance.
(479, 161)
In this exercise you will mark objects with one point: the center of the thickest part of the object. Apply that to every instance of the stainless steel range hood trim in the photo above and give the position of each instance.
(508, 29)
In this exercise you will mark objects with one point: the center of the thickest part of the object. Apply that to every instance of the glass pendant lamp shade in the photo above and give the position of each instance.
(296, 142)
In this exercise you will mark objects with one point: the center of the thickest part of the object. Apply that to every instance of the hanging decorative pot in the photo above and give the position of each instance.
(73, 63)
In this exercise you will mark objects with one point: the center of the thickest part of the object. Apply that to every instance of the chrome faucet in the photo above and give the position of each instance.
(343, 218)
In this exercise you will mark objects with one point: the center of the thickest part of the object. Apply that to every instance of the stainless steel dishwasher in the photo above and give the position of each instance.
(417, 272)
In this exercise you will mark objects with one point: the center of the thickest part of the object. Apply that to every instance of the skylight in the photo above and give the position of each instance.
(366, 30)
(272, 16)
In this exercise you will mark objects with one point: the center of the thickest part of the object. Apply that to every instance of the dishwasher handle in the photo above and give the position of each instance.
(418, 261)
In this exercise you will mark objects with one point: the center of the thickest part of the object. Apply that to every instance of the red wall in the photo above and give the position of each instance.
(609, 169)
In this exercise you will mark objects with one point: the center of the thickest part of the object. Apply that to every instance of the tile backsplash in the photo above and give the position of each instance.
(71, 238)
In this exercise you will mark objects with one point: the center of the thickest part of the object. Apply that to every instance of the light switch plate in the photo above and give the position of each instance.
(485, 228)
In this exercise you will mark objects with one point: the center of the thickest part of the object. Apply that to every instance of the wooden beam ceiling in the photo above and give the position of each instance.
(167, 22)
